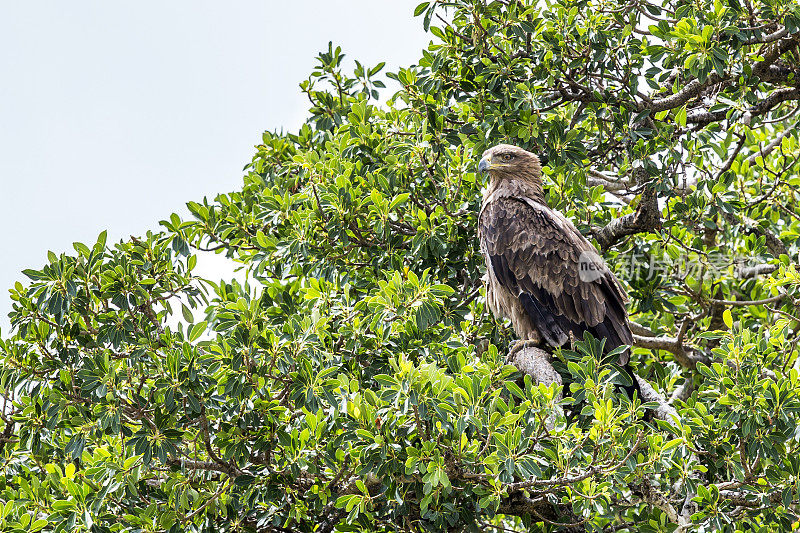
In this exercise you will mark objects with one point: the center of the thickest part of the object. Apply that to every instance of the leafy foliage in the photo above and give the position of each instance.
(356, 380)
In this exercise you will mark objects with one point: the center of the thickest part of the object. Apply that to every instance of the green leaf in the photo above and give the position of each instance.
(81, 248)
(63, 505)
(101, 241)
(364, 434)
(33, 274)
(196, 330)
(727, 318)
(38, 525)
(187, 314)
(442, 290)
(262, 240)
(680, 117)
(244, 480)
(399, 200)
(515, 390)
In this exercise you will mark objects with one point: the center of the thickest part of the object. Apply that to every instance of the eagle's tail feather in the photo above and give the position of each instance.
(555, 329)
(544, 321)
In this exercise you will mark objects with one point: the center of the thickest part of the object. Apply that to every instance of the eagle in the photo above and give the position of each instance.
(542, 274)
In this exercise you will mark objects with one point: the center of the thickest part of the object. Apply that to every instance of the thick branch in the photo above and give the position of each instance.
(596, 178)
(774, 244)
(703, 118)
(765, 70)
(773, 52)
(755, 270)
(664, 411)
(693, 89)
(775, 98)
(686, 356)
(517, 504)
(683, 392)
(534, 362)
(639, 329)
(780, 34)
(647, 217)
(202, 465)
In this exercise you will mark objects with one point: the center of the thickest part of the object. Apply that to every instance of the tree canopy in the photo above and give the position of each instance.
(356, 380)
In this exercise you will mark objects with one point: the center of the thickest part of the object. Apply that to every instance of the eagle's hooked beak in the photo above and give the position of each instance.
(486, 164)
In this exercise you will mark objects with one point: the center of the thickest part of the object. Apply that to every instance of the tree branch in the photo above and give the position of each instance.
(780, 34)
(773, 52)
(647, 217)
(748, 303)
(774, 143)
(517, 504)
(686, 356)
(692, 89)
(569, 480)
(756, 270)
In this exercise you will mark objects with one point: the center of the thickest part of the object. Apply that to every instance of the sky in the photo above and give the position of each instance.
(115, 114)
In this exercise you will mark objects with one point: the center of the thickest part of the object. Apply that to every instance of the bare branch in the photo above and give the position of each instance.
(595, 178)
(517, 504)
(748, 303)
(682, 392)
(686, 356)
(773, 52)
(764, 152)
(780, 34)
(569, 480)
(775, 98)
(757, 270)
(692, 89)
(200, 465)
(774, 244)
(535, 362)
(638, 329)
(702, 118)
(664, 411)
(731, 158)
(647, 217)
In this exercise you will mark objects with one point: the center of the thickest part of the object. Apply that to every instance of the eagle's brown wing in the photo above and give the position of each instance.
(537, 254)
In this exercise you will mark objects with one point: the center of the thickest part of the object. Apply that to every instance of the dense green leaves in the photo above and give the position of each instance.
(356, 380)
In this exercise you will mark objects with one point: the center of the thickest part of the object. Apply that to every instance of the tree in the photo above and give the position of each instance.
(356, 379)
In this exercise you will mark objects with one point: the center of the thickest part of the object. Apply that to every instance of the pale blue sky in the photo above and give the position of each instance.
(114, 114)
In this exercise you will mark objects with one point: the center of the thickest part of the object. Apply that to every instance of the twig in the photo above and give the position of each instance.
(568, 480)
(747, 303)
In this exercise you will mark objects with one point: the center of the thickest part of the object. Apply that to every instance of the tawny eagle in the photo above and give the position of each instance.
(542, 274)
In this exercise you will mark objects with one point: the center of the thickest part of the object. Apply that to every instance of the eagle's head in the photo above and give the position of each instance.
(511, 162)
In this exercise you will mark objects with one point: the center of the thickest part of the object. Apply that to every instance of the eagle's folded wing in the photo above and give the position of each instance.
(537, 255)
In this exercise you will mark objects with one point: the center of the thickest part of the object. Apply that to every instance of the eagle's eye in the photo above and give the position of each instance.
(507, 157)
